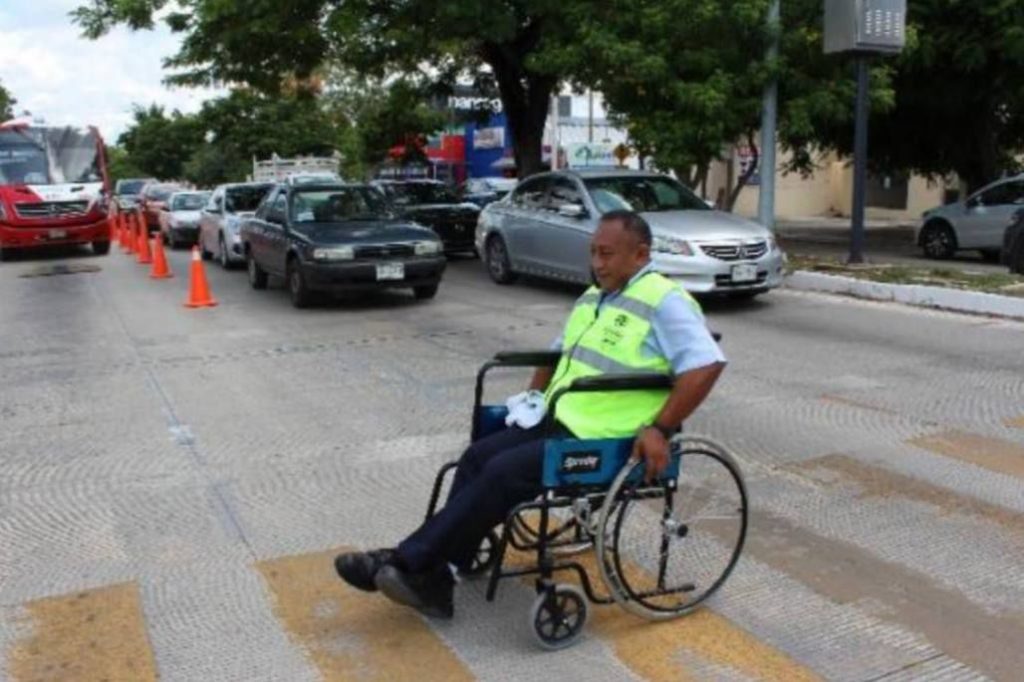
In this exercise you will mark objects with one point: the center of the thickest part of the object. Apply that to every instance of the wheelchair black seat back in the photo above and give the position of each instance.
(660, 548)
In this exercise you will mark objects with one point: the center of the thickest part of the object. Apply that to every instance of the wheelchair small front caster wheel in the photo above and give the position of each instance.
(558, 616)
(486, 555)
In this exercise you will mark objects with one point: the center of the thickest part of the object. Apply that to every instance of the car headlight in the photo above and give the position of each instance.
(773, 245)
(427, 248)
(677, 247)
(334, 253)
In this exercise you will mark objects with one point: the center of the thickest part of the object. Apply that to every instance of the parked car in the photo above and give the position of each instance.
(312, 178)
(338, 238)
(483, 191)
(126, 192)
(545, 225)
(976, 224)
(179, 222)
(221, 220)
(153, 199)
(1013, 244)
(434, 204)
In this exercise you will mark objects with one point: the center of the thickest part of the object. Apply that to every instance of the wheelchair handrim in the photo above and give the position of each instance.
(611, 572)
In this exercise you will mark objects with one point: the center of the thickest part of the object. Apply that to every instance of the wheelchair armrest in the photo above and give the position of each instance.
(528, 358)
(621, 382)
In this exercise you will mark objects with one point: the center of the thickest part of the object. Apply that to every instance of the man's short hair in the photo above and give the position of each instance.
(631, 222)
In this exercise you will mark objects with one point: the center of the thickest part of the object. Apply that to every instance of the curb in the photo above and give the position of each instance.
(956, 300)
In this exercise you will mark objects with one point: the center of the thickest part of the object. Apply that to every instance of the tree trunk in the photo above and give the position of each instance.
(749, 173)
(525, 97)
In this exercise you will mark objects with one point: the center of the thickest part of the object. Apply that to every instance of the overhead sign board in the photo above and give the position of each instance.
(865, 25)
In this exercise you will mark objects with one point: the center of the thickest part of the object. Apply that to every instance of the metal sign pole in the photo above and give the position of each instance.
(860, 160)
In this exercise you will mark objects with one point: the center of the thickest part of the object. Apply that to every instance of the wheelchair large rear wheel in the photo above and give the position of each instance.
(663, 549)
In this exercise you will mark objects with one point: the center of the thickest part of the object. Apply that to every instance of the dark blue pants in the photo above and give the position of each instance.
(494, 475)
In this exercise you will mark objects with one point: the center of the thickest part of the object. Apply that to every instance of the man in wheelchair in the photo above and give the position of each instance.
(633, 321)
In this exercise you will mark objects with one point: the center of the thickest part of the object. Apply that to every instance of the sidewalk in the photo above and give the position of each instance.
(885, 243)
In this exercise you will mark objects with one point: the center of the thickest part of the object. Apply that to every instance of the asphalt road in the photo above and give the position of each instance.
(174, 484)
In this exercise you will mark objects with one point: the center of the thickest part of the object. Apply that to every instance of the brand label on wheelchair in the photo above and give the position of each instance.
(581, 462)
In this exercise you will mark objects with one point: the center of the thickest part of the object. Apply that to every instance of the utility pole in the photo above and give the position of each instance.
(860, 162)
(590, 115)
(769, 124)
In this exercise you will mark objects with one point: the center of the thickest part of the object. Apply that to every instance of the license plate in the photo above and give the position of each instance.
(391, 271)
(57, 234)
(746, 272)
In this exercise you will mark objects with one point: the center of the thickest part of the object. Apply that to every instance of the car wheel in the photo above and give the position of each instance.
(298, 290)
(222, 255)
(424, 293)
(101, 248)
(499, 266)
(938, 240)
(257, 276)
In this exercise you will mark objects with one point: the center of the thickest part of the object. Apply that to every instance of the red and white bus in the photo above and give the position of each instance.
(54, 187)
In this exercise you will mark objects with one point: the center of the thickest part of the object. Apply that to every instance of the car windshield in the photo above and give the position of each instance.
(642, 194)
(422, 193)
(188, 202)
(245, 199)
(129, 187)
(159, 193)
(338, 205)
(49, 156)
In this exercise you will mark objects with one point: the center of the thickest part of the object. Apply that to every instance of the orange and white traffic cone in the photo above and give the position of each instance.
(199, 295)
(160, 269)
(145, 256)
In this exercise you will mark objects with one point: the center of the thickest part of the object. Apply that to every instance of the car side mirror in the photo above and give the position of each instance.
(275, 217)
(572, 210)
(974, 202)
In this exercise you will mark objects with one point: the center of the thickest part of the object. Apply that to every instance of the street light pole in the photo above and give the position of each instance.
(769, 123)
(860, 161)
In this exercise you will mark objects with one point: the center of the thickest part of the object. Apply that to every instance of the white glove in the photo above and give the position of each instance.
(526, 409)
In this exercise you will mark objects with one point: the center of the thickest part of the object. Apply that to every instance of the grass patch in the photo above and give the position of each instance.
(988, 282)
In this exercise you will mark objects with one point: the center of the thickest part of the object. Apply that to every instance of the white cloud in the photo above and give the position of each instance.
(56, 74)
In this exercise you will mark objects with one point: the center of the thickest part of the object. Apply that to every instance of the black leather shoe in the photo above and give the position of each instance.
(430, 593)
(359, 569)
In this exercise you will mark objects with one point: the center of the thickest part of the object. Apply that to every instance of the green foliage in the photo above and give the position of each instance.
(159, 144)
(121, 166)
(7, 103)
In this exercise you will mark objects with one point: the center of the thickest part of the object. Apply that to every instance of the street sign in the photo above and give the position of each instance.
(865, 25)
(590, 154)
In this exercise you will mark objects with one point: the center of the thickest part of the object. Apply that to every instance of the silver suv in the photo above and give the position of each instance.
(976, 224)
(544, 227)
(222, 218)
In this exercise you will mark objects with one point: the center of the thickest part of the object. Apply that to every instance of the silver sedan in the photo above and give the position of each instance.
(543, 228)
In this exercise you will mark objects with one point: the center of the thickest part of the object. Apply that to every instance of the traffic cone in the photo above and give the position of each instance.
(160, 269)
(145, 255)
(198, 290)
(126, 233)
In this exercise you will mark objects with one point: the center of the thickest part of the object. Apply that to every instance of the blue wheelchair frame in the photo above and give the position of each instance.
(562, 487)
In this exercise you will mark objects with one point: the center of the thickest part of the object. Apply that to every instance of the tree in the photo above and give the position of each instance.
(686, 77)
(379, 116)
(7, 103)
(158, 144)
(263, 43)
(120, 164)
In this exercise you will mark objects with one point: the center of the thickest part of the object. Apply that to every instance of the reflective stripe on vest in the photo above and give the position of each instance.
(610, 341)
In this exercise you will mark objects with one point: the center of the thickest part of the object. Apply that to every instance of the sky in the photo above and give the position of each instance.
(66, 79)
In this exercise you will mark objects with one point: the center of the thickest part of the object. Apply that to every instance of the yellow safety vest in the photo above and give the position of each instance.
(611, 342)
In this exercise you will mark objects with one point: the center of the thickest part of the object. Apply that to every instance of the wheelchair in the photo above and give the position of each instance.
(660, 548)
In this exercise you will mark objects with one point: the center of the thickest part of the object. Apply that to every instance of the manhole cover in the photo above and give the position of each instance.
(60, 269)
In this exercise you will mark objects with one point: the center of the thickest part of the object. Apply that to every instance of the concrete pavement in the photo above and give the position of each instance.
(174, 483)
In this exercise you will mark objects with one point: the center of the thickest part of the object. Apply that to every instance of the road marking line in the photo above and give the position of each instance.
(994, 454)
(93, 635)
(661, 651)
(353, 635)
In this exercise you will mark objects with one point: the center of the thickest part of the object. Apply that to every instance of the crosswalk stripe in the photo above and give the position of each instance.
(97, 634)
(689, 646)
(994, 454)
(349, 634)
